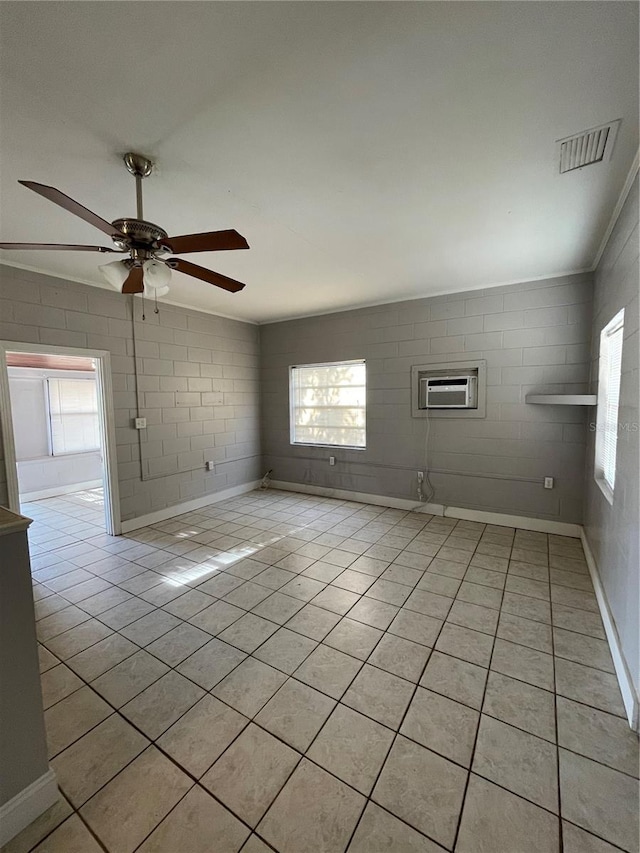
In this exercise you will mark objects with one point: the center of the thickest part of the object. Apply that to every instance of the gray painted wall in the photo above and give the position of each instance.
(23, 748)
(195, 375)
(613, 531)
(4, 499)
(534, 337)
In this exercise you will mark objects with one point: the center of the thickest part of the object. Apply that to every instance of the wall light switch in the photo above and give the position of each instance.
(548, 482)
(141, 423)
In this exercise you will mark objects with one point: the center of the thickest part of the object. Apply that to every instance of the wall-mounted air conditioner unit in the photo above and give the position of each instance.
(443, 388)
(448, 392)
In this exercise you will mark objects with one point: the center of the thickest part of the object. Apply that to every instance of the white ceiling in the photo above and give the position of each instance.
(368, 151)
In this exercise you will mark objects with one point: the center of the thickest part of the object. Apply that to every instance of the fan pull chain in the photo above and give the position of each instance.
(143, 317)
(156, 309)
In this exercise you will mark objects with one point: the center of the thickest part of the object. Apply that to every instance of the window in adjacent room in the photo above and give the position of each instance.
(73, 412)
(328, 404)
(608, 402)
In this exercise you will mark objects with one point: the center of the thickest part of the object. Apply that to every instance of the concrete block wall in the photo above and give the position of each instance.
(193, 376)
(613, 531)
(534, 336)
(4, 495)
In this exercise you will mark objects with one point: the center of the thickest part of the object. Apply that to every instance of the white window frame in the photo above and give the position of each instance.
(292, 423)
(608, 392)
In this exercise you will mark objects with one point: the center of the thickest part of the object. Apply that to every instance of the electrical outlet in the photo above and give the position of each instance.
(548, 482)
(140, 423)
(332, 460)
(210, 465)
(420, 476)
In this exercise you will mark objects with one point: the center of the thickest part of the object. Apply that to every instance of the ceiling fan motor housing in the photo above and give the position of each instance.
(143, 237)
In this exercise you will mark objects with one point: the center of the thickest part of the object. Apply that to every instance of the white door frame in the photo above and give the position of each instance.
(107, 424)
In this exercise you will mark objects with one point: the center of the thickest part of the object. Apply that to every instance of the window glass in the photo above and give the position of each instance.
(610, 370)
(73, 410)
(328, 404)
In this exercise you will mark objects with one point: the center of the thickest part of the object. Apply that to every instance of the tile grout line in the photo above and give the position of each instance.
(397, 734)
(342, 616)
(249, 654)
(555, 721)
(153, 743)
(477, 733)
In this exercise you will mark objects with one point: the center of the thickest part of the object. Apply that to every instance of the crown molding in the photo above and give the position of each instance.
(71, 278)
(617, 210)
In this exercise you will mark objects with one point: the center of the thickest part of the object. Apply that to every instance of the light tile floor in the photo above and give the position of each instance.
(305, 675)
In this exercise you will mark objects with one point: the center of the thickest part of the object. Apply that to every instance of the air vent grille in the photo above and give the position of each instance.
(586, 148)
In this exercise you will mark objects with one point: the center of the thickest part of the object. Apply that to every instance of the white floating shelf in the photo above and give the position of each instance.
(562, 399)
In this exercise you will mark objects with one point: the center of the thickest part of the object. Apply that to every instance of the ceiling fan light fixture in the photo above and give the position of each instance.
(115, 273)
(157, 276)
(155, 292)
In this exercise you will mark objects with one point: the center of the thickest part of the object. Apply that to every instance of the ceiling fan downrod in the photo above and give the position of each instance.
(140, 167)
(142, 239)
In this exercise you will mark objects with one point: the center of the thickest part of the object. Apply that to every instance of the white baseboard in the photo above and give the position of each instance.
(629, 693)
(358, 497)
(541, 525)
(59, 490)
(28, 805)
(189, 506)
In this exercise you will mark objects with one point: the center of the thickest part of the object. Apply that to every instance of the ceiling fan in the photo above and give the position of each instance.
(146, 269)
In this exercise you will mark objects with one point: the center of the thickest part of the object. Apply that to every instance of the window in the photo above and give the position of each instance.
(73, 412)
(608, 402)
(328, 404)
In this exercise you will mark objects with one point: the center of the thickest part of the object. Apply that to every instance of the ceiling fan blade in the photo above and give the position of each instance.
(56, 247)
(206, 275)
(134, 282)
(210, 241)
(57, 197)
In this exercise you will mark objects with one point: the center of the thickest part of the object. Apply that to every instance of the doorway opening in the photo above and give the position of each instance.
(58, 436)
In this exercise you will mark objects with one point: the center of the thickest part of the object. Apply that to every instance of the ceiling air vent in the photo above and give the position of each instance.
(587, 148)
